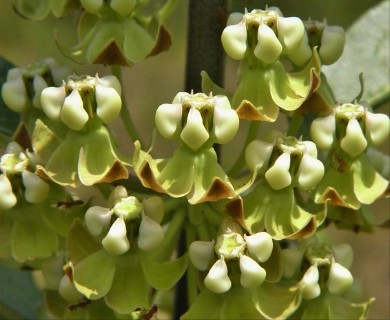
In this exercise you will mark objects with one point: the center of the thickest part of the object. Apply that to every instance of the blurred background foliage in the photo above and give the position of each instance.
(158, 79)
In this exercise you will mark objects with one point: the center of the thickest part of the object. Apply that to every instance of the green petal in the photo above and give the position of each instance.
(211, 183)
(129, 289)
(93, 276)
(31, 237)
(275, 301)
(163, 276)
(369, 185)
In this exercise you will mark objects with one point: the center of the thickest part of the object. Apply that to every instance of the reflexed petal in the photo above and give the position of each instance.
(268, 48)
(354, 142)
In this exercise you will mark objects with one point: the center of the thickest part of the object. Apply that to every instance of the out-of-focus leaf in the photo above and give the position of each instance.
(19, 297)
(8, 119)
(366, 51)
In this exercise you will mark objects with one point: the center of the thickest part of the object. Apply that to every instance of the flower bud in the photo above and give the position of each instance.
(96, 219)
(168, 119)
(68, 291)
(194, 134)
(154, 208)
(116, 242)
(354, 142)
(217, 279)
(377, 128)
(37, 190)
(52, 99)
(258, 154)
(73, 113)
(226, 120)
(7, 199)
(322, 131)
(290, 32)
(332, 44)
(92, 6)
(123, 7)
(278, 176)
(340, 279)
(310, 172)
(108, 102)
(309, 283)
(252, 275)
(259, 245)
(201, 253)
(14, 95)
(268, 48)
(150, 234)
(234, 40)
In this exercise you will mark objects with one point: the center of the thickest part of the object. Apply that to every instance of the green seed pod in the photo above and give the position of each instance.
(116, 242)
(252, 274)
(217, 279)
(7, 199)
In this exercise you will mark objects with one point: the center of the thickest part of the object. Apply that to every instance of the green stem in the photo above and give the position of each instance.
(192, 273)
(295, 125)
(240, 162)
(125, 112)
(167, 9)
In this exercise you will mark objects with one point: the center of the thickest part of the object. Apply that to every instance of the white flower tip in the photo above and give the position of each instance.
(168, 119)
(109, 103)
(310, 172)
(116, 242)
(268, 48)
(291, 32)
(340, 279)
(354, 141)
(52, 99)
(217, 279)
(278, 176)
(154, 208)
(14, 95)
(36, 190)
(123, 7)
(322, 131)
(73, 113)
(377, 128)
(7, 199)
(252, 274)
(226, 124)
(332, 44)
(96, 219)
(234, 40)
(259, 245)
(194, 134)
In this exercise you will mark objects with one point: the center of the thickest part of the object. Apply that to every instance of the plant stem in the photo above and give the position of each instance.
(204, 52)
(125, 113)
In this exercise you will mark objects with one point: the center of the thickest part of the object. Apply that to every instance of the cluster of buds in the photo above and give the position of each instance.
(232, 246)
(127, 210)
(81, 98)
(353, 127)
(24, 85)
(328, 269)
(265, 32)
(16, 164)
(197, 119)
(329, 41)
(286, 162)
(122, 7)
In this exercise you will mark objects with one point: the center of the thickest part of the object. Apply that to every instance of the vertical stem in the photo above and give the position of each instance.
(204, 52)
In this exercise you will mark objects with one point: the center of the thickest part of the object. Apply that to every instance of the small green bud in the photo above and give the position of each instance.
(150, 234)
(377, 128)
(97, 218)
(7, 199)
(332, 44)
(354, 141)
(14, 95)
(194, 134)
(217, 279)
(36, 190)
(73, 113)
(116, 242)
(52, 99)
(322, 131)
(234, 40)
(340, 279)
(259, 245)
(201, 253)
(309, 283)
(123, 7)
(268, 48)
(278, 176)
(290, 32)
(252, 274)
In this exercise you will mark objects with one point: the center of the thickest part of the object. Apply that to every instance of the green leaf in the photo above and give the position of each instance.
(129, 289)
(367, 50)
(163, 276)
(93, 276)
